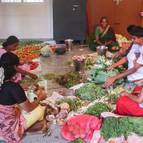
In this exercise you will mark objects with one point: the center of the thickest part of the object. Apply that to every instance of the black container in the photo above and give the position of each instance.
(61, 49)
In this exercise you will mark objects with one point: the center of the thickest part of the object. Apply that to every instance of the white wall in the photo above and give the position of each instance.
(27, 20)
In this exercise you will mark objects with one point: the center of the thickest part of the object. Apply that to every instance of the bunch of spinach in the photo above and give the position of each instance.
(115, 127)
(90, 91)
(97, 109)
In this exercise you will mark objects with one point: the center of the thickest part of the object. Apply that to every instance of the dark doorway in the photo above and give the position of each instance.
(69, 20)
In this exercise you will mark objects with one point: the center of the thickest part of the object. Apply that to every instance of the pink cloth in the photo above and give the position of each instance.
(25, 67)
(80, 126)
(2, 51)
(11, 124)
(18, 76)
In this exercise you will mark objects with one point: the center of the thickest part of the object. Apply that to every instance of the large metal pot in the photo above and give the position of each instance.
(101, 50)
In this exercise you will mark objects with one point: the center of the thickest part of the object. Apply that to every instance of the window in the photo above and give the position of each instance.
(33, 0)
(11, 1)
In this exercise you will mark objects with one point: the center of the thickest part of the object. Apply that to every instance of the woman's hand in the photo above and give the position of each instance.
(126, 45)
(110, 68)
(109, 81)
(124, 93)
(41, 95)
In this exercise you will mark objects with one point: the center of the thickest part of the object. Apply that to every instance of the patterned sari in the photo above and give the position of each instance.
(11, 124)
(105, 36)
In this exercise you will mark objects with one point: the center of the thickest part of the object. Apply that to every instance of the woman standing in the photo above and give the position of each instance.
(104, 35)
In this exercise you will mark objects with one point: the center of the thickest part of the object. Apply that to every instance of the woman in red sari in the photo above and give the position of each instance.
(132, 104)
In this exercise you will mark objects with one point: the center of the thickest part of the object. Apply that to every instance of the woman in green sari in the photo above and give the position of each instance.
(104, 35)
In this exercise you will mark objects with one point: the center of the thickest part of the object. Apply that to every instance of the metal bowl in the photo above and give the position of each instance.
(101, 50)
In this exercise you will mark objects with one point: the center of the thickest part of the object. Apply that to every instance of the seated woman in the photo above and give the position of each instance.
(134, 58)
(10, 45)
(104, 35)
(130, 104)
(13, 100)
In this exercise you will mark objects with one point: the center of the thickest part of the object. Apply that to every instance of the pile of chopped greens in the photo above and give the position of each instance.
(69, 79)
(97, 109)
(90, 91)
(115, 127)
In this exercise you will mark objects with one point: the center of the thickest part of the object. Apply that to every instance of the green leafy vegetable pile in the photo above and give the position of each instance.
(103, 61)
(70, 79)
(89, 62)
(113, 94)
(90, 91)
(97, 109)
(115, 127)
(100, 75)
(137, 124)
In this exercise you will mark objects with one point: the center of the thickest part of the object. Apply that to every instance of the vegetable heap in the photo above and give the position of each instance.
(97, 109)
(103, 62)
(74, 103)
(113, 94)
(99, 74)
(89, 62)
(90, 91)
(29, 42)
(69, 79)
(46, 51)
(115, 127)
(29, 52)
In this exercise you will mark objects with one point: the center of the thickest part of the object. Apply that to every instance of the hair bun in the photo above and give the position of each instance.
(4, 44)
(10, 40)
(135, 30)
